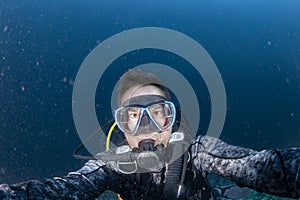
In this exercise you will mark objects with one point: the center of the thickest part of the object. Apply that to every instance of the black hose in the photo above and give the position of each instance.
(175, 173)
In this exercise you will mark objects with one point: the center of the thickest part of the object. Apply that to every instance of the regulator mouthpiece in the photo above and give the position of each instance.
(144, 158)
(147, 145)
(148, 158)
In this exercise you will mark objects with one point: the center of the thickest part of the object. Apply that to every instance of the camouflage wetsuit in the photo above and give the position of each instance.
(272, 171)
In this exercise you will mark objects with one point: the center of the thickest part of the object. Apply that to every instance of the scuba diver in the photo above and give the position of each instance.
(161, 161)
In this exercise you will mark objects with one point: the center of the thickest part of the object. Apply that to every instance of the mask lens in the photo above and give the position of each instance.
(128, 118)
(163, 114)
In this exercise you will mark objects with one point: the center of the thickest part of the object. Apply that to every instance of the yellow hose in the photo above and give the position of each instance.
(109, 135)
(107, 145)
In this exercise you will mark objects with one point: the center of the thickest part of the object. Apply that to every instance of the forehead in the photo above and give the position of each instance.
(141, 90)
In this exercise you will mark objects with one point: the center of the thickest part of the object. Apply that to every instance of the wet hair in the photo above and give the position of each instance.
(137, 77)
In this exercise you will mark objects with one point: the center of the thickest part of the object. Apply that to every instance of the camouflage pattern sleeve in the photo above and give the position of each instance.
(86, 183)
(275, 171)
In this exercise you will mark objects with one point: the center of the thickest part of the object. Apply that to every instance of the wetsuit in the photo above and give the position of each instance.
(274, 171)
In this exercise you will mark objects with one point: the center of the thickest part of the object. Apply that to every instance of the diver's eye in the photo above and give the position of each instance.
(157, 111)
(133, 114)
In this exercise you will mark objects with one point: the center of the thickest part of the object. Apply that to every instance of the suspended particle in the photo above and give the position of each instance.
(5, 29)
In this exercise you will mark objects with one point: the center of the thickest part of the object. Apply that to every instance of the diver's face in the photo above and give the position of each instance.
(160, 137)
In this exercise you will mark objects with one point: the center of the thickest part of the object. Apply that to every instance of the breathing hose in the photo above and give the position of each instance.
(175, 174)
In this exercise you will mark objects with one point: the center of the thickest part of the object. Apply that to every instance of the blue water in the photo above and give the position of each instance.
(256, 46)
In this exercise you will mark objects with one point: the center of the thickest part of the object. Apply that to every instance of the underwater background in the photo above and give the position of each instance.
(254, 43)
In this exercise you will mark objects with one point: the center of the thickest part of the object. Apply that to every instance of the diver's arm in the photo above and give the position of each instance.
(274, 171)
(87, 183)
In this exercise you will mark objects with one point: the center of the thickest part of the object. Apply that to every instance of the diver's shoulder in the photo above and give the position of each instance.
(205, 139)
(219, 148)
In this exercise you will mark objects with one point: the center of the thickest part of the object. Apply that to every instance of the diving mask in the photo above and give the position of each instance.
(145, 114)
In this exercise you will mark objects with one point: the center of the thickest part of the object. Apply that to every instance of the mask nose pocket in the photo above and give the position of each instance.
(145, 121)
(146, 125)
